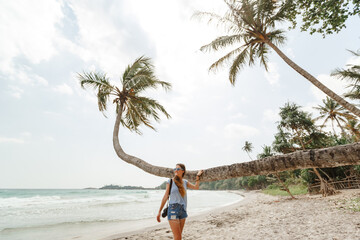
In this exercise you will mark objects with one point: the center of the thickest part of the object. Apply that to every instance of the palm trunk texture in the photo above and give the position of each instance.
(316, 82)
(316, 158)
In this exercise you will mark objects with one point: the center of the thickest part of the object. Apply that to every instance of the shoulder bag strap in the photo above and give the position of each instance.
(169, 192)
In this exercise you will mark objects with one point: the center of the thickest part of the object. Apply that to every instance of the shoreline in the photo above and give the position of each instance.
(164, 225)
(261, 216)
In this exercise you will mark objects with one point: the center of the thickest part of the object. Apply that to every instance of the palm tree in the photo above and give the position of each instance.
(267, 152)
(333, 111)
(251, 23)
(352, 74)
(353, 126)
(248, 147)
(132, 109)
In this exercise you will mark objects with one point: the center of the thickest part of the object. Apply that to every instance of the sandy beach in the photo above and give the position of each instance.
(261, 216)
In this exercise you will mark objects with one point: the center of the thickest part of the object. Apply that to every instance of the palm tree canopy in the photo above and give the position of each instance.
(332, 110)
(137, 77)
(267, 152)
(250, 24)
(352, 75)
(292, 118)
(247, 146)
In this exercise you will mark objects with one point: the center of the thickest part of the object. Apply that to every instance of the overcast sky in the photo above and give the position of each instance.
(52, 134)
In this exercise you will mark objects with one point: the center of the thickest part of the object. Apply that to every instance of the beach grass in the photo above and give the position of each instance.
(275, 190)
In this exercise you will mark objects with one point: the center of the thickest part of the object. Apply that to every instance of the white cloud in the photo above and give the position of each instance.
(49, 138)
(272, 75)
(35, 39)
(26, 134)
(271, 115)
(63, 89)
(11, 140)
(290, 53)
(16, 92)
(237, 116)
(211, 129)
(236, 131)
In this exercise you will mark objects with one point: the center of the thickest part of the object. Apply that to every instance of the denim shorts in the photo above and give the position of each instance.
(176, 211)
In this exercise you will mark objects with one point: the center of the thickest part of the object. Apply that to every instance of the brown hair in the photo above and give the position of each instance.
(178, 183)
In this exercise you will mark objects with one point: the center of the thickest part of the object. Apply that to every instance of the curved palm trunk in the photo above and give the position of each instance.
(155, 170)
(316, 82)
(315, 158)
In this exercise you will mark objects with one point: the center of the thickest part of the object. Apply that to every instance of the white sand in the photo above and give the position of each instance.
(261, 216)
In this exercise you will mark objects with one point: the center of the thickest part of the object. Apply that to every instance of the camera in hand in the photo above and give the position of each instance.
(165, 212)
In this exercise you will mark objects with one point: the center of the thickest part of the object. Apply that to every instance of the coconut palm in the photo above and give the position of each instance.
(251, 25)
(352, 74)
(333, 111)
(267, 152)
(248, 147)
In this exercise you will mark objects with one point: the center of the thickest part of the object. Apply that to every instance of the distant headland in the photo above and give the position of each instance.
(118, 187)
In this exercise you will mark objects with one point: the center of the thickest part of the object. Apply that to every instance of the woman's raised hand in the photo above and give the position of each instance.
(200, 173)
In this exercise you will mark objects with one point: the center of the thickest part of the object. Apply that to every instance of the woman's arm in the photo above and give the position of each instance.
(163, 201)
(197, 182)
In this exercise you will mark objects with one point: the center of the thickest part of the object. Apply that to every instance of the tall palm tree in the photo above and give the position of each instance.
(333, 111)
(133, 110)
(251, 25)
(352, 75)
(248, 147)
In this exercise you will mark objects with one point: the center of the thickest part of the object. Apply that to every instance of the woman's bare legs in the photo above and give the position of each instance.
(182, 223)
(176, 228)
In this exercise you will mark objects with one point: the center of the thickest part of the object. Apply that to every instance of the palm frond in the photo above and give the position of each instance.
(225, 59)
(99, 82)
(140, 63)
(238, 63)
(222, 42)
(224, 21)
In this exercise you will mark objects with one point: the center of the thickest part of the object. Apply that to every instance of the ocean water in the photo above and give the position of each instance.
(89, 213)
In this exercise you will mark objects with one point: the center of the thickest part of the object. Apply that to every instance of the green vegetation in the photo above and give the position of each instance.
(325, 17)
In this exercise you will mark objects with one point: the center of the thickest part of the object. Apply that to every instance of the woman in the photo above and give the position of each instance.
(178, 200)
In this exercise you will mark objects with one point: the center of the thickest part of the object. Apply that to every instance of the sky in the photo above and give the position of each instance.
(52, 134)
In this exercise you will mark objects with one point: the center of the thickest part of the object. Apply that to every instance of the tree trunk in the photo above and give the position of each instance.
(316, 82)
(326, 157)
(284, 186)
(341, 127)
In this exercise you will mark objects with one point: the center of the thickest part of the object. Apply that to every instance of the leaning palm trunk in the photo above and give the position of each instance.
(326, 157)
(316, 82)
(155, 170)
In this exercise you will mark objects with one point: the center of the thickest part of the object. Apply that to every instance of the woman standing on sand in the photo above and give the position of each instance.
(178, 200)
